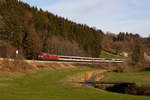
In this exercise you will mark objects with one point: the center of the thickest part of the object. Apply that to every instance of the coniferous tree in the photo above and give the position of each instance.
(32, 44)
(136, 54)
(17, 20)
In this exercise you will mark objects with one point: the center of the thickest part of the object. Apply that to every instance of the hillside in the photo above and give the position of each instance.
(132, 44)
(33, 31)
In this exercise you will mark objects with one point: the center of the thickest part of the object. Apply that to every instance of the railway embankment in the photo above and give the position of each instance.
(21, 65)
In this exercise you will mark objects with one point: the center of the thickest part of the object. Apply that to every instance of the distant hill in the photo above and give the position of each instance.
(130, 43)
(34, 31)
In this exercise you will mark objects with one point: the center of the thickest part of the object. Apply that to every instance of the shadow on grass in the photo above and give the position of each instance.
(133, 89)
(146, 69)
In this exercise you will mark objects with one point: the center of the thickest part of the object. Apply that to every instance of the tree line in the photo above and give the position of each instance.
(130, 43)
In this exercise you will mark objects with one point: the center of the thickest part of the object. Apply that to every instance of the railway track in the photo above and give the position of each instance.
(63, 61)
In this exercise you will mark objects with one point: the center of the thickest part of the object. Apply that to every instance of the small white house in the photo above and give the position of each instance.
(146, 56)
(125, 54)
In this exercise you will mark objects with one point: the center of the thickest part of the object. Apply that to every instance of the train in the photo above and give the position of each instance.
(54, 57)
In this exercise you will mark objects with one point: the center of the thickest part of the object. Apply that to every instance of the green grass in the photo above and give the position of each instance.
(105, 54)
(51, 85)
(133, 75)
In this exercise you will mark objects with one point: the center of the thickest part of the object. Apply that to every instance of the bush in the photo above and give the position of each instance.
(6, 50)
(15, 65)
(117, 67)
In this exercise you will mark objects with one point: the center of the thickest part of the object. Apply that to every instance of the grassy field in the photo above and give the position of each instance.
(105, 54)
(47, 84)
(133, 75)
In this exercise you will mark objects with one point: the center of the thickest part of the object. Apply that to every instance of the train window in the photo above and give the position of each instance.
(75, 58)
(87, 59)
(108, 59)
(64, 57)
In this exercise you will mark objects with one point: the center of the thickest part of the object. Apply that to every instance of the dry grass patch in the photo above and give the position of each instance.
(85, 76)
(15, 65)
(52, 66)
(19, 65)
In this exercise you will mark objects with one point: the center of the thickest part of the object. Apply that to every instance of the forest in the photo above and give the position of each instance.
(133, 44)
(33, 30)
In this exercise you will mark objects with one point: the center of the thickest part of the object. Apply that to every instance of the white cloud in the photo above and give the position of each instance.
(86, 11)
(108, 15)
(83, 7)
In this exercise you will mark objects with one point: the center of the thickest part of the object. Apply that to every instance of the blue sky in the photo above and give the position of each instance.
(108, 15)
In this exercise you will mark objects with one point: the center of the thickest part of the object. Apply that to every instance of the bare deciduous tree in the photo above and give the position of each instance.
(57, 45)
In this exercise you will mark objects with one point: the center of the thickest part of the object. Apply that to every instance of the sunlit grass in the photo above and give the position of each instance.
(51, 85)
(133, 75)
(105, 54)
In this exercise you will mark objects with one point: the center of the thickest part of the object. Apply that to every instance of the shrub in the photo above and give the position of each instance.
(15, 65)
